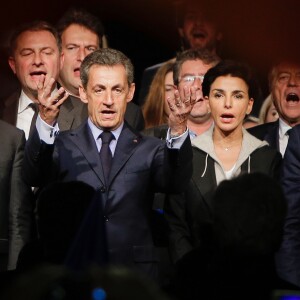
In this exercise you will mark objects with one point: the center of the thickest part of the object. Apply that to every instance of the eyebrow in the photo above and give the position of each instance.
(40, 49)
(233, 92)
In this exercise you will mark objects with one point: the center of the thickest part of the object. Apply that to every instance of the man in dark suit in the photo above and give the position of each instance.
(288, 257)
(15, 197)
(284, 81)
(82, 33)
(140, 165)
(197, 29)
(34, 50)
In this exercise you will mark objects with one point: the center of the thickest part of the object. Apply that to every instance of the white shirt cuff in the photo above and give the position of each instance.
(46, 132)
(176, 142)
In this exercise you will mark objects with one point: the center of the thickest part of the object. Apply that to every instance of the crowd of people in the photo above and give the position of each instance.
(180, 191)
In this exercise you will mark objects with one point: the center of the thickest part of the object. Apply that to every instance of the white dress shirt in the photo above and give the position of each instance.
(283, 136)
(25, 114)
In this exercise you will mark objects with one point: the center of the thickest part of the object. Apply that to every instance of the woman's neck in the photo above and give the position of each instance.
(227, 147)
(227, 139)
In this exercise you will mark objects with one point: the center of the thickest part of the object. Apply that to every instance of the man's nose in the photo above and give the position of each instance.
(293, 80)
(81, 54)
(38, 59)
(108, 99)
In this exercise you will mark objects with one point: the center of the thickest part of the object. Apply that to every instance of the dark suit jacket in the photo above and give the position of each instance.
(268, 132)
(141, 166)
(158, 131)
(288, 258)
(190, 214)
(72, 112)
(15, 197)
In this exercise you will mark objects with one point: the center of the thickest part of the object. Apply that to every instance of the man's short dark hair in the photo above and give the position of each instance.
(106, 57)
(37, 25)
(193, 54)
(81, 17)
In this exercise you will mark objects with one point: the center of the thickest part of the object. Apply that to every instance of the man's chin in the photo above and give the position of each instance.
(196, 44)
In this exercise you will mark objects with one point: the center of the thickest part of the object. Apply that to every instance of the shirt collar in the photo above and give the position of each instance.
(283, 128)
(24, 102)
(96, 131)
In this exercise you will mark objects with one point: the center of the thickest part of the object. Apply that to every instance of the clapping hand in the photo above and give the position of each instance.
(49, 103)
(180, 108)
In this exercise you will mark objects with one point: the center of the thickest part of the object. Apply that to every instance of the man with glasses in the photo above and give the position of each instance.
(189, 70)
(284, 81)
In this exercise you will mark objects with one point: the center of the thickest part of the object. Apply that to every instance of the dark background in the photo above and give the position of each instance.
(145, 30)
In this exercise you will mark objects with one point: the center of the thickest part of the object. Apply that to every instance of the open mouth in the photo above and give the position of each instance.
(198, 34)
(292, 97)
(38, 73)
(227, 117)
(107, 112)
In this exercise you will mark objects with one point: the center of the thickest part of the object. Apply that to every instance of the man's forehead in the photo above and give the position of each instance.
(104, 73)
(195, 65)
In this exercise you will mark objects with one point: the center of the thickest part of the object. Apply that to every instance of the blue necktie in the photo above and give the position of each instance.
(105, 153)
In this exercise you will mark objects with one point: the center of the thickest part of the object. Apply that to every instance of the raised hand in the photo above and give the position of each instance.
(49, 104)
(180, 107)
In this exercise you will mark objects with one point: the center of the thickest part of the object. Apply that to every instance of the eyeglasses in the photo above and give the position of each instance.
(191, 78)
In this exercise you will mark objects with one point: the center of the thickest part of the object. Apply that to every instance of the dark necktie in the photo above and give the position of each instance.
(34, 107)
(105, 153)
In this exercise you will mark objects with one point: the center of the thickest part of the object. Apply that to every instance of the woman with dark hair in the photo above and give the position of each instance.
(222, 152)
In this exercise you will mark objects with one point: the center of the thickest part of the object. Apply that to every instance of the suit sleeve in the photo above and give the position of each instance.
(180, 239)
(20, 208)
(288, 258)
(178, 167)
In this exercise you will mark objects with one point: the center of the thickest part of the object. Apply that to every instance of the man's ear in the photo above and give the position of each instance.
(62, 59)
(12, 64)
(130, 92)
(82, 94)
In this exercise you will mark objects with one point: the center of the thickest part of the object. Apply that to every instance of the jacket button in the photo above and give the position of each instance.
(105, 218)
(103, 189)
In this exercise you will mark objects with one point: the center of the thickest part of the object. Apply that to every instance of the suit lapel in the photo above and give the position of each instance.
(65, 117)
(272, 137)
(127, 144)
(84, 140)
